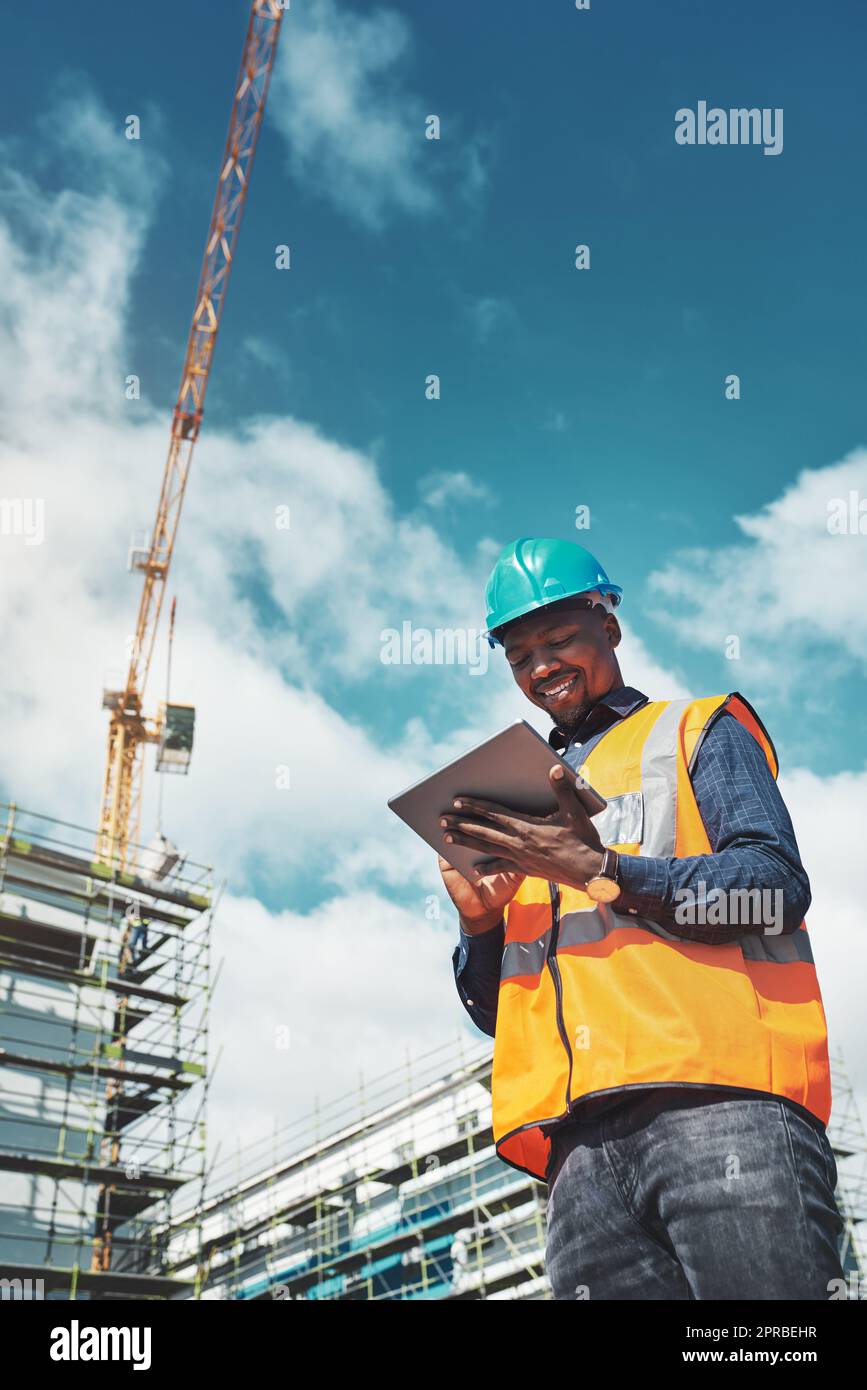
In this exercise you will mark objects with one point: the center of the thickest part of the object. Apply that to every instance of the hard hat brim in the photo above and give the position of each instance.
(614, 591)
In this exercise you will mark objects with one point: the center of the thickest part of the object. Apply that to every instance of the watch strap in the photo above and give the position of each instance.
(610, 864)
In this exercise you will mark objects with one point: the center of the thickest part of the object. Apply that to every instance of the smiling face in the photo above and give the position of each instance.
(563, 659)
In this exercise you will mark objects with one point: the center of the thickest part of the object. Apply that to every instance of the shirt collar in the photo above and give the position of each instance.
(617, 704)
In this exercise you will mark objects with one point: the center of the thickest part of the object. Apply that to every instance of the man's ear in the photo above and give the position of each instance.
(612, 627)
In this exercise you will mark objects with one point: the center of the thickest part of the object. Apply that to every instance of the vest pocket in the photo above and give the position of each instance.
(622, 821)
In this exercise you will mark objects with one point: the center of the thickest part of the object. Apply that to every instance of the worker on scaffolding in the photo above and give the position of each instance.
(660, 1048)
(135, 931)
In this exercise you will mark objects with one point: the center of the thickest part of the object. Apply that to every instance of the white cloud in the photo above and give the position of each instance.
(354, 130)
(65, 272)
(338, 98)
(439, 488)
(488, 315)
(357, 981)
(266, 355)
(787, 586)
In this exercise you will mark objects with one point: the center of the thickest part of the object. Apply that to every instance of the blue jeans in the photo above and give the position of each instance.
(684, 1194)
(139, 939)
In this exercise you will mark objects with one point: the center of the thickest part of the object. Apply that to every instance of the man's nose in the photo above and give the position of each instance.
(543, 664)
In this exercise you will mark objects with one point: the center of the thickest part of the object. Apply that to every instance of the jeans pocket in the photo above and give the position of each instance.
(813, 1139)
(826, 1155)
(830, 1161)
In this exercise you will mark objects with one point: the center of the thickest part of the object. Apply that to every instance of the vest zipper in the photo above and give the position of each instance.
(553, 966)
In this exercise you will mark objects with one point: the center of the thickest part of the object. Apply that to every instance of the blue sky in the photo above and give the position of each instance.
(558, 387)
(602, 387)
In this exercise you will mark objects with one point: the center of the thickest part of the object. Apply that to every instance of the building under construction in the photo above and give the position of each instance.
(103, 1050)
(396, 1192)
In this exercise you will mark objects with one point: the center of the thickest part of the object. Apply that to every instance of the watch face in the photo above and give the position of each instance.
(603, 890)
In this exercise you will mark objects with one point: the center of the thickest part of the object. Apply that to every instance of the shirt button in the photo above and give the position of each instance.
(634, 911)
(471, 1002)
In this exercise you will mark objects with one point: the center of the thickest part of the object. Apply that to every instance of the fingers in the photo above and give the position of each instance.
(562, 787)
(453, 879)
(474, 834)
(489, 810)
(471, 821)
(460, 831)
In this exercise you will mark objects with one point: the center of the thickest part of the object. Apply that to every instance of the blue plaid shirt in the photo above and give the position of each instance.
(748, 829)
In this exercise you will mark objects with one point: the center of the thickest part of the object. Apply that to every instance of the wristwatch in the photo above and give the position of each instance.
(603, 887)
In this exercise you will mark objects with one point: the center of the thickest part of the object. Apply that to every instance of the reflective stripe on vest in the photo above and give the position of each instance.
(593, 1001)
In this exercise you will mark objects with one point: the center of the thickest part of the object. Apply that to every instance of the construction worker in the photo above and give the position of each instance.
(137, 927)
(660, 1048)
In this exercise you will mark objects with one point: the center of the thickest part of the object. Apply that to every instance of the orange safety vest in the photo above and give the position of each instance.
(594, 1001)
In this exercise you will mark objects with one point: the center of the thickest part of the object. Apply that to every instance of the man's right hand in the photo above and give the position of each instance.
(480, 904)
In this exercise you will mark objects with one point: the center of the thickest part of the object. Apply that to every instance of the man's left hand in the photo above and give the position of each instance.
(562, 847)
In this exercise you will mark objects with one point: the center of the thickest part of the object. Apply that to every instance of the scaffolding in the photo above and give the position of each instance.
(849, 1142)
(104, 995)
(408, 1199)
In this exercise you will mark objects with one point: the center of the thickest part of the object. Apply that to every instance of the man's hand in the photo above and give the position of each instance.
(480, 904)
(563, 846)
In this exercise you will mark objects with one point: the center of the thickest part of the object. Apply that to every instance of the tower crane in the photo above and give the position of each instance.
(130, 729)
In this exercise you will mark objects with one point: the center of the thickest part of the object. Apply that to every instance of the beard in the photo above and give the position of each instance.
(570, 721)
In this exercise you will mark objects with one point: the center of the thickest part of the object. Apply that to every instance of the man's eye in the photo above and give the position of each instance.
(522, 661)
(561, 641)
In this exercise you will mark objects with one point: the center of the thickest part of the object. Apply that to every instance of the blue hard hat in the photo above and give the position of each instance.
(533, 572)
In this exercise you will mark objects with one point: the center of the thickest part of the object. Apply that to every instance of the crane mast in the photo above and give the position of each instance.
(129, 728)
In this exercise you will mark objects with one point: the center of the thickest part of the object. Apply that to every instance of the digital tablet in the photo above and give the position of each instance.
(512, 768)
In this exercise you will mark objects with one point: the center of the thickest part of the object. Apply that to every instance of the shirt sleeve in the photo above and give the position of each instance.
(753, 843)
(476, 961)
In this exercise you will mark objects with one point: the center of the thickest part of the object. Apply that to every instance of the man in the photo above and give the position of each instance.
(137, 927)
(660, 1048)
